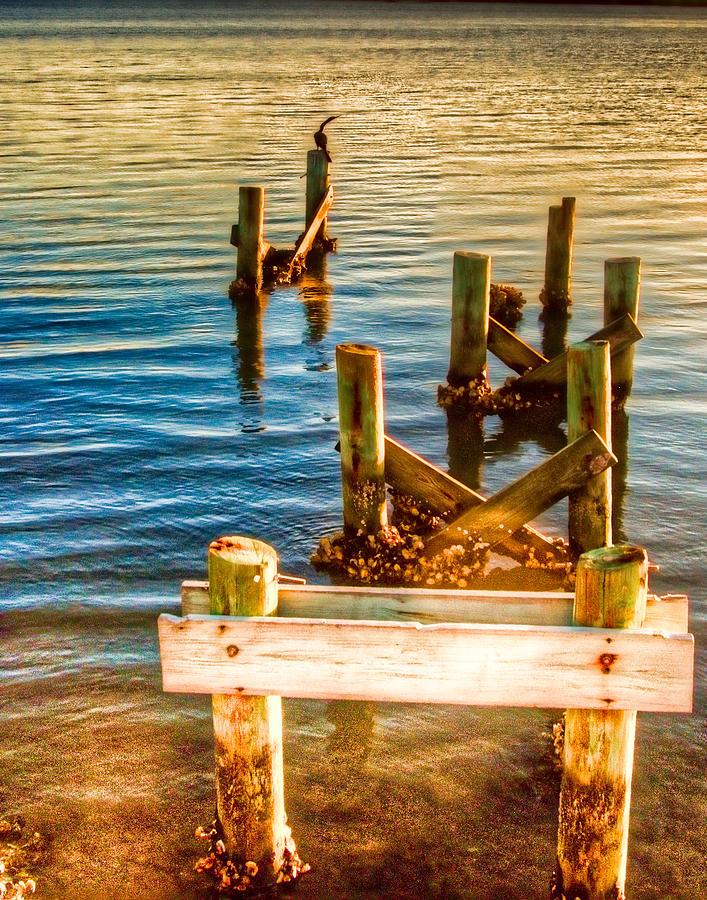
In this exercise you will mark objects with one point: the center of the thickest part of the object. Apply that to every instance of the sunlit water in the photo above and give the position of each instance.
(140, 416)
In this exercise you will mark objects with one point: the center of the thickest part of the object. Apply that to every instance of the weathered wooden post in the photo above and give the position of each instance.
(248, 237)
(471, 284)
(589, 408)
(622, 280)
(250, 801)
(359, 373)
(595, 796)
(317, 184)
(558, 255)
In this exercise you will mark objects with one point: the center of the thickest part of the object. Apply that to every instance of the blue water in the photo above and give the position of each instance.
(141, 416)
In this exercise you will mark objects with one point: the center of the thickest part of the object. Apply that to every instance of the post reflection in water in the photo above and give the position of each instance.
(541, 426)
(465, 446)
(315, 292)
(619, 473)
(248, 360)
(554, 339)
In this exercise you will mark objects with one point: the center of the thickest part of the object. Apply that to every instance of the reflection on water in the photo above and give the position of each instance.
(554, 337)
(465, 447)
(248, 360)
(315, 293)
(619, 474)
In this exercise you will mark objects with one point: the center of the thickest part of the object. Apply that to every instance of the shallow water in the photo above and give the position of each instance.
(143, 416)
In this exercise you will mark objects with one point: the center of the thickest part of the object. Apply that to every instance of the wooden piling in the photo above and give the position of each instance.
(589, 408)
(595, 796)
(250, 242)
(317, 186)
(250, 801)
(622, 280)
(471, 284)
(558, 255)
(359, 373)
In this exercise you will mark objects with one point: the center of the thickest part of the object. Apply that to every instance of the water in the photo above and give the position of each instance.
(141, 417)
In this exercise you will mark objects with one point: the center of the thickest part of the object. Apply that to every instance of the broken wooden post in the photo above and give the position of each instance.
(595, 796)
(317, 185)
(248, 237)
(622, 279)
(589, 407)
(528, 496)
(250, 801)
(558, 255)
(359, 372)
(471, 283)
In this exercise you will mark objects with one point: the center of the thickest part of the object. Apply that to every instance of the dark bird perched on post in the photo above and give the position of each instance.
(320, 139)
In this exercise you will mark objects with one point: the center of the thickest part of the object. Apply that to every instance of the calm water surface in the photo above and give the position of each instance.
(141, 416)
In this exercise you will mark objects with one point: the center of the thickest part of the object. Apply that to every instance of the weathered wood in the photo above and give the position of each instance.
(558, 255)
(471, 283)
(304, 246)
(251, 245)
(589, 407)
(359, 373)
(622, 280)
(250, 803)
(595, 796)
(620, 334)
(482, 665)
(511, 350)
(317, 186)
(410, 474)
(316, 601)
(528, 496)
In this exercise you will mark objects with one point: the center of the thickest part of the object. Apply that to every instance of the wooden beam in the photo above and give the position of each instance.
(310, 234)
(481, 665)
(319, 601)
(528, 496)
(511, 350)
(410, 474)
(620, 334)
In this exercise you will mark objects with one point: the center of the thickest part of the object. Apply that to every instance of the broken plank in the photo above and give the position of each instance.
(511, 350)
(310, 234)
(528, 496)
(480, 665)
(620, 334)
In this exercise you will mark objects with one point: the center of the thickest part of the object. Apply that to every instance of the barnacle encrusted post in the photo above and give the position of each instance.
(622, 280)
(359, 372)
(589, 408)
(595, 798)
(250, 802)
(555, 294)
(471, 284)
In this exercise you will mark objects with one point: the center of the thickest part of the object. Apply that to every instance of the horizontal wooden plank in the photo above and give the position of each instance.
(479, 665)
(317, 601)
(410, 474)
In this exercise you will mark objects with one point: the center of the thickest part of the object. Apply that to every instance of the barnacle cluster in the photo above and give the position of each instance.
(476, 396)
(234, 878)
(19, 854)
(506, 304)
(396, 554)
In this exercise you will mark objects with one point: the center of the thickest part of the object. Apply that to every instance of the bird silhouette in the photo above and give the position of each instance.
(320, 139)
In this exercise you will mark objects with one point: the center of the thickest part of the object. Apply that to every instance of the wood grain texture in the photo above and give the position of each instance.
(622, 283)
(558, 253)
(620, 334)
(471, 283)
(251, 245)
(410, 474)
(667, 614)
(528, 496)
(511, 350)
(482, 665)
(304, 246)
(317, 184)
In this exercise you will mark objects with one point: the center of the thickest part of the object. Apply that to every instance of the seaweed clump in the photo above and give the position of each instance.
(396, 554)
(20, 853)
(232, 878)
(506, 304)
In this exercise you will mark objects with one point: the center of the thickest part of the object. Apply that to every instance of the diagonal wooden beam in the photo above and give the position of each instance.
(511, 350)
(410, 474)
(310, 234)
(620, 334)
(528, 496)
